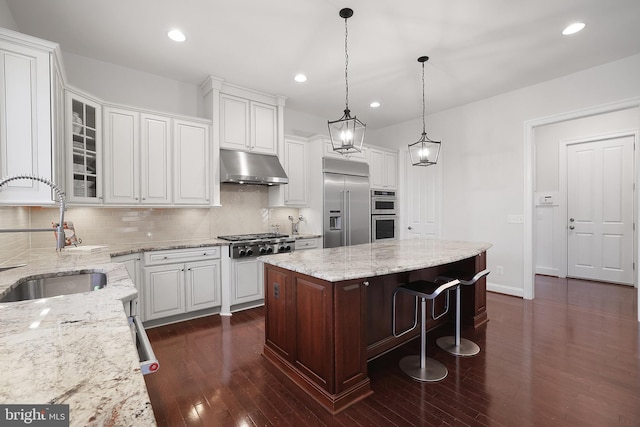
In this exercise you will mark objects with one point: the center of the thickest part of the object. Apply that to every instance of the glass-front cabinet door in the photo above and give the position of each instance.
(84, 160)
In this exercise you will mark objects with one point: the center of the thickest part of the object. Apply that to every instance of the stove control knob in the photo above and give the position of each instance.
(241, 252)
(269, 250)
(288, 248)
(249, 252)
(263, 250)
(281, 249)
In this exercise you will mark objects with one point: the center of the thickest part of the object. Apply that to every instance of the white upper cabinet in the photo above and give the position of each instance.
(264, 134)
(155, 159)
(121, 155)
(25, 117)
(294, 162)
(137, 150)
(248, 125)
(192, 165)
(84, 149)
(383, 169)
(362, 156)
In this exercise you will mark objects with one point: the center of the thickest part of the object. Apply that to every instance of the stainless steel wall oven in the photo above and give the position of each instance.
(384, 220)
(383, 202)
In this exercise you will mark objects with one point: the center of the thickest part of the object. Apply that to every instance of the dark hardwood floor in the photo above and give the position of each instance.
(571, 357)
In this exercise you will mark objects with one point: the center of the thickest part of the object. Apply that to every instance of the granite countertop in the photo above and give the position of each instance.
(375, 259)
(76, 349)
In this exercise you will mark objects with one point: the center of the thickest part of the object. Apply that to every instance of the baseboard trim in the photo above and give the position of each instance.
(508, 290)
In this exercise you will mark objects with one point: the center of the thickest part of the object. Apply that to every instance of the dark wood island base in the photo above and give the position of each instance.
(321, 333)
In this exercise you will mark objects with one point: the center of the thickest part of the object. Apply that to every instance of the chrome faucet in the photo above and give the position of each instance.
(294, 225)
(63, 206)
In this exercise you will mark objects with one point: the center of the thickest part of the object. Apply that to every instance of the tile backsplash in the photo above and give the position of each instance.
(244, 210)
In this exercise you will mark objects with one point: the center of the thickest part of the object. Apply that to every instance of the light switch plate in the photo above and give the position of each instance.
(515, 219)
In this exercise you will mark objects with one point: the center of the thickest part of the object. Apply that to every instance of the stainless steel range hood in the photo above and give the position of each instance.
(251, 168)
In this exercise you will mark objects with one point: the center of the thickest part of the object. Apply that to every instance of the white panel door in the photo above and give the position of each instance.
(600, 210)
(421, 202)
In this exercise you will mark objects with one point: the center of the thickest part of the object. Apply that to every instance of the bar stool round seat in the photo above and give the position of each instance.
(457, 345)
(420, 367)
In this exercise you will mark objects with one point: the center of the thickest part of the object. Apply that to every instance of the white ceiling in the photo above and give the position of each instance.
(478, 48)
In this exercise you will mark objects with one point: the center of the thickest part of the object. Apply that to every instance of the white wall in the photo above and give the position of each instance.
(303, 124)
(121, 85)
(483, 156)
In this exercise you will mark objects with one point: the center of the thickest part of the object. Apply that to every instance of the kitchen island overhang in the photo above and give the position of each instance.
(328, 311)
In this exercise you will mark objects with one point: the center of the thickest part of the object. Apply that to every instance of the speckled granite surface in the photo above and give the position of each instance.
(76, 349)
(375, 259)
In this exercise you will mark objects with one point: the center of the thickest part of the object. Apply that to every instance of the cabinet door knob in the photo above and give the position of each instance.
(365, 283)
(410, 227)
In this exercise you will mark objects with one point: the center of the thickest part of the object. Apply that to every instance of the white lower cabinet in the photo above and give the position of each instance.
(246, 282)
(132, 264)
(172, 287)
(310, 243)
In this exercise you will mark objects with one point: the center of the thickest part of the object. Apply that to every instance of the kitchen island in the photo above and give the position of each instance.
(328, 311)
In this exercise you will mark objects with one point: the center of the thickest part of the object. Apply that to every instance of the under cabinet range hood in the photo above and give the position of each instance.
(241, 167)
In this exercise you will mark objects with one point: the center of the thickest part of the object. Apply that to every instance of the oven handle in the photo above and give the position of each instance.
(148, 361)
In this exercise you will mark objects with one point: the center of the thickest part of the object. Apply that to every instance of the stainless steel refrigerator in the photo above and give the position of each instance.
(347, 203)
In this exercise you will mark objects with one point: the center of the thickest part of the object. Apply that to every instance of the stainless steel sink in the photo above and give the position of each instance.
(48, 287)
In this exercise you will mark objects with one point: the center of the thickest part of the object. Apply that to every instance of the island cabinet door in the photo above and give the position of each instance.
(350, 310)
(314, 330)
(280, 314)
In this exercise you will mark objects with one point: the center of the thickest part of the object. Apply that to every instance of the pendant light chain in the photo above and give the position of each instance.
(346, 65)
(424, 128)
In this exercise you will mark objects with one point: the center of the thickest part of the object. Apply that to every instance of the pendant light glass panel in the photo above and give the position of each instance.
(346, 133)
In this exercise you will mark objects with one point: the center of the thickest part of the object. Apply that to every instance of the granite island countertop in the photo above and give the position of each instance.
(375, 259)
(77, 349)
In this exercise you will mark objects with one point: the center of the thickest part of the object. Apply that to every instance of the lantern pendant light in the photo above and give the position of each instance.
(346, 133)
(424, 152)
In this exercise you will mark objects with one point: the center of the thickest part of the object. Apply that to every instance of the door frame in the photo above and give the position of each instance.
(529, 181)
(563, 194)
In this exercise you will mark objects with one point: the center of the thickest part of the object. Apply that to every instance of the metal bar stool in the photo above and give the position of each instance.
(420, 367)
(454, 344)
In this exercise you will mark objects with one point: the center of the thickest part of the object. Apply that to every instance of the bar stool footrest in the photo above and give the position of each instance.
(433, 370)
(466, 347)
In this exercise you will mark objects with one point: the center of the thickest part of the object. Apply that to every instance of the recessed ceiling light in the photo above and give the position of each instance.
(300, 78)
(374, 104)
(573, 28)
(176, 36)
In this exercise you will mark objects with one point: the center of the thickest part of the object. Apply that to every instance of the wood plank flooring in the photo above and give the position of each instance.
(571, 357)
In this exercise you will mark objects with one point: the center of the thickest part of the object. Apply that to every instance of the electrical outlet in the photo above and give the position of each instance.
(500, 269)
(276, 291)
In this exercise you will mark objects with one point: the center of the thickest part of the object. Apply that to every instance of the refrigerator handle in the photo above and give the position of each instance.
(347, 209)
